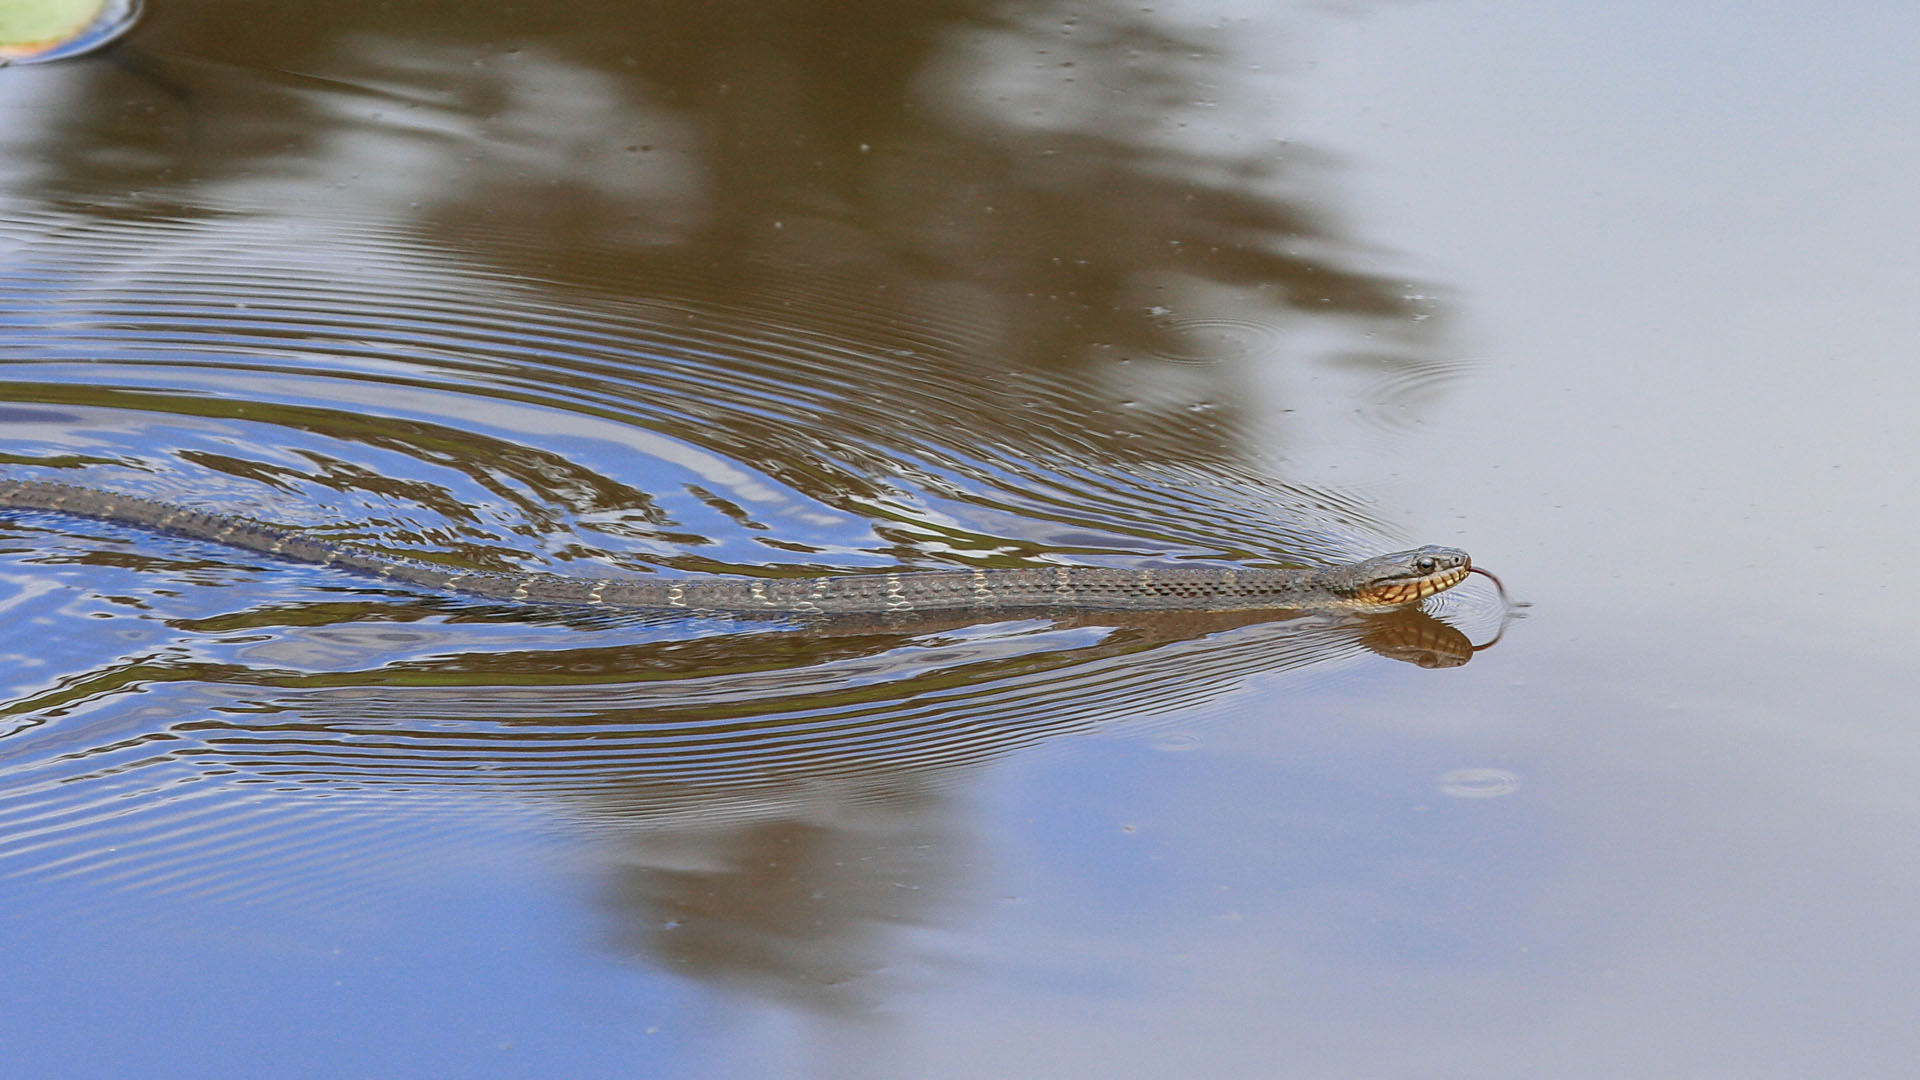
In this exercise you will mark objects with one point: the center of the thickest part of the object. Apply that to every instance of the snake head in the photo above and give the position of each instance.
(1404, 577)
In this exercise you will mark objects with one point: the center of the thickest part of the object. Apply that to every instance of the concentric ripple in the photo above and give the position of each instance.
(1397, 402)
(1214, 340)
(766, 412)
(171, 705)
(656, 730)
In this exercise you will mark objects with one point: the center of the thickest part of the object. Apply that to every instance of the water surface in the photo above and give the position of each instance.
(793, 288)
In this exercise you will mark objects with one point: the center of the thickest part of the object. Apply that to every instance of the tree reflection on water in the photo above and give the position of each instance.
(1008, 204)
(1069, 176)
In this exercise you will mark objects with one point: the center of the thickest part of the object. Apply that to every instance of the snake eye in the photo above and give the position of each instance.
(1426, 564)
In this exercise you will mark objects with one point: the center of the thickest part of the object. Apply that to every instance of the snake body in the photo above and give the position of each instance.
(1380, 583)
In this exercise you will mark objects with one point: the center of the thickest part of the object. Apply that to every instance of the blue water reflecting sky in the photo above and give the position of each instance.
(1669, 399)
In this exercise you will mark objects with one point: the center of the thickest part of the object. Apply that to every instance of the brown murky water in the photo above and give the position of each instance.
(1618, 300)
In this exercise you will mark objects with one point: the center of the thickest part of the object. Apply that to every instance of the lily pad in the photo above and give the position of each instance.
(36, 31)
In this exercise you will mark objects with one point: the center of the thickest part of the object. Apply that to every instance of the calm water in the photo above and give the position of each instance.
(1619, 300)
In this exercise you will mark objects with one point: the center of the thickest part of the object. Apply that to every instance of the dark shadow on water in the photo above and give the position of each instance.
(925, 283)
(1024, 165)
